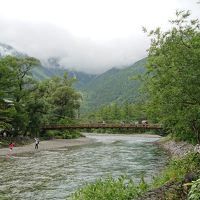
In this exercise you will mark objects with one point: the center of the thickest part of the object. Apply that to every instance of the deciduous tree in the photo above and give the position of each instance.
(173, 77)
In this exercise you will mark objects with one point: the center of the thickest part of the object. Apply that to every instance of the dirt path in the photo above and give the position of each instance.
(47, 145)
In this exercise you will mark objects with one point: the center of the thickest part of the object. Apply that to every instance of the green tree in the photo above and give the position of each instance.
(60, 99)
(66, 102)
(15, 86)
(173, 77)
(23, 86)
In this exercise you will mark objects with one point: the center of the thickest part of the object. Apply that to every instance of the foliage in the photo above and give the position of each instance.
(194, 193)
(122, 188)
(15, 86)
(26, 104)
(43, 72)
(173, 77)
(66, 134)
(115, 113)
(60, 98)
(178, 168)
(113, 86)
(4, 198)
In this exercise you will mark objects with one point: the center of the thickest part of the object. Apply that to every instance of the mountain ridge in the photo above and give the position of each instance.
(48, 68)
(112, 86)
(115, 85)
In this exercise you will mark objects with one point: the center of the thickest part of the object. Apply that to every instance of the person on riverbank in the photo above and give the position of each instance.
(36, 143)
(11, 146)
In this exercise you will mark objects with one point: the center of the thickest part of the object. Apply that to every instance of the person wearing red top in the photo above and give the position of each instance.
(11, 145)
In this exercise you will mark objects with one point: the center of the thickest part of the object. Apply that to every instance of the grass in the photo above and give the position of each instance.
(122, 188)
(178, 168)
(194, 193)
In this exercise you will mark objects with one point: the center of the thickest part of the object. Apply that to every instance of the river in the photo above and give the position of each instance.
(55, 174)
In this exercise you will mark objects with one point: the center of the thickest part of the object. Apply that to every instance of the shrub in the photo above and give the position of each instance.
(61, 134)
(194, 193)
(122, 188)
(178, 168)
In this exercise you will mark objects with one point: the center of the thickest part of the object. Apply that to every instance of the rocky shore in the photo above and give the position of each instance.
(178, 149)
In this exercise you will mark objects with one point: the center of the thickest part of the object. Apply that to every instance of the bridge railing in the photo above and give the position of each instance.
(82, 126)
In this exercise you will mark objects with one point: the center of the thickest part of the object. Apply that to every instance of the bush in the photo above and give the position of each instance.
(61, 134)
(71, 134)
(194, 193)
(122, 188)
(178, 168)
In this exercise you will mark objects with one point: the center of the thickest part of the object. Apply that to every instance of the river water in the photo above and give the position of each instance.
(57, 173)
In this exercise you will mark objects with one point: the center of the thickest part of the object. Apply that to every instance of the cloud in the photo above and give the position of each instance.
(43, 40)
(88, 35)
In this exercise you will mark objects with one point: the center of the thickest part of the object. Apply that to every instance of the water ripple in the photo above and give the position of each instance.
(56, 174)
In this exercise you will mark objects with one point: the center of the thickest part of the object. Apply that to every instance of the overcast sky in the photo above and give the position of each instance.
(87, 35)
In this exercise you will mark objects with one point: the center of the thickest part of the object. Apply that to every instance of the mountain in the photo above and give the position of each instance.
(48, 68)
(115, 85)
(51, 67)
(43, 72)
(7, 50)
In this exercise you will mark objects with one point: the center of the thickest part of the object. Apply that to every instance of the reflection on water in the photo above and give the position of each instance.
(56, 174)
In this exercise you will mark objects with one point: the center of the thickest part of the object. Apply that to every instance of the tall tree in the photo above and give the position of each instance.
(173, 77)
(16, 85)
(60, 98)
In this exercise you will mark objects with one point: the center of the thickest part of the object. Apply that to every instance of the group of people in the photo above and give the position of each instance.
(11, 144)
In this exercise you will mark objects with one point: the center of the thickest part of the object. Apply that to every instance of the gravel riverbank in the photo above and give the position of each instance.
(178, 149)
(47, 145)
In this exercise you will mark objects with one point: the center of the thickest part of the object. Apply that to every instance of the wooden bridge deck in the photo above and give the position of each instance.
(104, 126)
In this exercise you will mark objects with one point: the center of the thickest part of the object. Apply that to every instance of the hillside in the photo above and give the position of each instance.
(7, 50)
(48, 68)
(42, 72)
(113, 86)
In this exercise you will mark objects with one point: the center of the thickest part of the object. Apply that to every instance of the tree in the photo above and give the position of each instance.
(15, 85)
(173, 77)
(66, 102)
(60, 99)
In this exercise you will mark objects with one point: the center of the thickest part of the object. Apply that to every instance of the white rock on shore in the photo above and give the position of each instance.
(179, 149)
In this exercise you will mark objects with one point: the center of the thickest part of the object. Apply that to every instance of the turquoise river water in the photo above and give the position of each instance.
(55, 174)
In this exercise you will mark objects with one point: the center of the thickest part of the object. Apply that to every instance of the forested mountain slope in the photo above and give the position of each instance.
(113, 86)
(42, 72)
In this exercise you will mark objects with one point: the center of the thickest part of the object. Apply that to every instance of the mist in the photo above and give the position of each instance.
(43, 40)
(90, 36)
